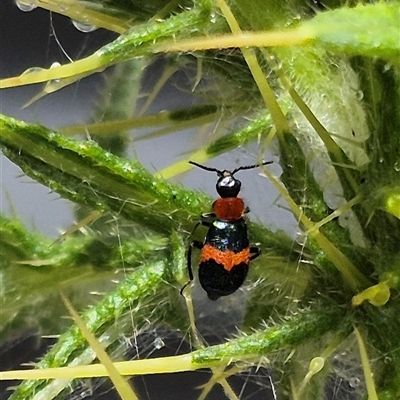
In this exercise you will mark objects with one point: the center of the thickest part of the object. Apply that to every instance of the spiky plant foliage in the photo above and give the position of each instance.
(319, 81)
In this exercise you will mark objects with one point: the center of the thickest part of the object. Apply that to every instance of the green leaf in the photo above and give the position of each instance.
(368, 30)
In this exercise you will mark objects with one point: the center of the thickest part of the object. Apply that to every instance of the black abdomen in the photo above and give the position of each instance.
(217, 281)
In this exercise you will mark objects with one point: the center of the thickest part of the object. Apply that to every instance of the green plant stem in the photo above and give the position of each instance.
(138, 289)
(88, 175)
(291, 333)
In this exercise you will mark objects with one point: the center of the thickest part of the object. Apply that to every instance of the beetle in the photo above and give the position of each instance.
(225, 251)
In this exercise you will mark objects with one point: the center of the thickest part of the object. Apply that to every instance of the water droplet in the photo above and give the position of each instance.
(354, 382)
(26, 5)
(32, 70)
(158, 343)
(316, 364)
(397, 166)
(275, 62)
(359, 95)
(387, 67)
(55, 65)
(213, 18)
(83, 26)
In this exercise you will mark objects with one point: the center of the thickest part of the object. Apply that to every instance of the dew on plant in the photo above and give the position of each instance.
(32, 70)
(83, 26)
(359, 95)
(275, 63)
(354, 382)
(158, 343)
(26, 5)
(54, 65)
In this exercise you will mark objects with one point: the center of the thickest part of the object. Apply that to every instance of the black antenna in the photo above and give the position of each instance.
(220, 173)
(250, 166)
(206, 168)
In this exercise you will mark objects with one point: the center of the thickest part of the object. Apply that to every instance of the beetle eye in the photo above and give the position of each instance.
(227, 181)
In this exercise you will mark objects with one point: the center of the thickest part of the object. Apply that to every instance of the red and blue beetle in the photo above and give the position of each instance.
(225, 252)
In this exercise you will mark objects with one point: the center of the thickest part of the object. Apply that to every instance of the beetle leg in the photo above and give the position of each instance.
(206, 216)
(203, 221)
(198, 245)
(255, 252)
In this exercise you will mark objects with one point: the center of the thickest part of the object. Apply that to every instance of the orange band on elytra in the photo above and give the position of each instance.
(226, 258)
